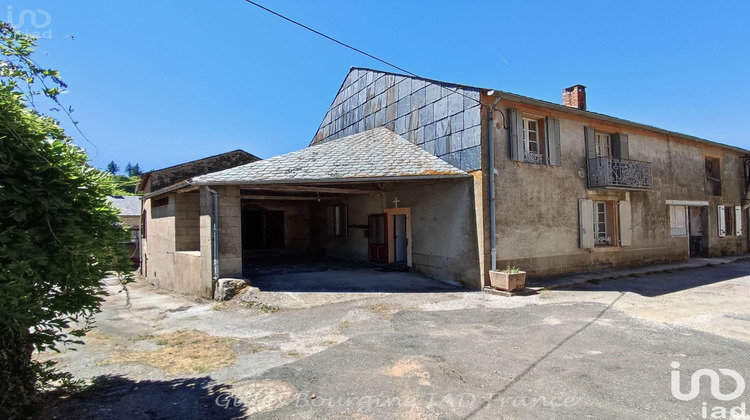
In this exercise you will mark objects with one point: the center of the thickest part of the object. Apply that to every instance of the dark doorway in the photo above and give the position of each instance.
(697, 224)
(400, 240)
(378, 246)
(262, 229)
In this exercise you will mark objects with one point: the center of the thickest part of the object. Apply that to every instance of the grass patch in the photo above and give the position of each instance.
(263, 307)
(293, 354)
(184, 352)
(142, 337)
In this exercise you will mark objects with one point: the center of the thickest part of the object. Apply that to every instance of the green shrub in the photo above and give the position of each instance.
(58, 234)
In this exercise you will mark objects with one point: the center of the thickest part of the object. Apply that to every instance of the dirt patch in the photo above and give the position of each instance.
(184, 352)
(407, 368)
(385, 310)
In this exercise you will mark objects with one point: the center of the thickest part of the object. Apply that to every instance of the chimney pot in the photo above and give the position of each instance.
(575, 97)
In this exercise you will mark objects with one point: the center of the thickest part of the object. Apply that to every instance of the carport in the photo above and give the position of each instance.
(373, 197)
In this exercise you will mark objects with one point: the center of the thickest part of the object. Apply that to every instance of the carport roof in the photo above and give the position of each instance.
(378, 153)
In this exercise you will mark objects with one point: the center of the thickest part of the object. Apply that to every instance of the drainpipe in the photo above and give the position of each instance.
(214, 232)
(493, 249)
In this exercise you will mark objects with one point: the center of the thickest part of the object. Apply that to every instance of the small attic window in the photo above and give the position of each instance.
(159, 202)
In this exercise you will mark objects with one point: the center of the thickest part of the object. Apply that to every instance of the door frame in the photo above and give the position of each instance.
(391, 233)
(372, 248)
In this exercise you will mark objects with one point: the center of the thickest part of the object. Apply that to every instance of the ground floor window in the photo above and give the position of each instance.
(604, 228)
(730, 220)
(337, 223)
(678, 220)
(604, 223)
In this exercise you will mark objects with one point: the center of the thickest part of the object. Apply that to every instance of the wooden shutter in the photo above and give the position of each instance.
(626, 223)
(516, 134)
(721, 221)
(586, 223)
(620, 147)
(590, 136)
(738, 220)
(553, 141)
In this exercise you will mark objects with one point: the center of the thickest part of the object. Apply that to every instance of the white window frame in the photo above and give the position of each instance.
(603, 145)
(678, 221)
(526, 131)
(600, 211)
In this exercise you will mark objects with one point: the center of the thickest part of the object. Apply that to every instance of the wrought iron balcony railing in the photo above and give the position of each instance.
(606, 172)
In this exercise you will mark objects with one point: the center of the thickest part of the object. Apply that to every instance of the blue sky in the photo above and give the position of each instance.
(163, 82)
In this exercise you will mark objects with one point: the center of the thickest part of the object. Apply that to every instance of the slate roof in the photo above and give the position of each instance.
(128, 205)
(378, 153)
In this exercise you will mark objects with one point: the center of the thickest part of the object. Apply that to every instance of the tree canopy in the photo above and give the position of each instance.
(58, 234)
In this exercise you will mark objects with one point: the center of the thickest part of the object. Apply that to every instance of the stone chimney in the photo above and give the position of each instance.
(575, 96)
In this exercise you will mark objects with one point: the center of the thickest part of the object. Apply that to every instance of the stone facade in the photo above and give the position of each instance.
(443, 119)
(538, 215)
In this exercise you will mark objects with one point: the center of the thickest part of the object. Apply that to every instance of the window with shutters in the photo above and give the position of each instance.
(603, 145)
(604, 223)
(604, 229)
(713, 175)
(533, 138)
(727, 228)
(532, 146)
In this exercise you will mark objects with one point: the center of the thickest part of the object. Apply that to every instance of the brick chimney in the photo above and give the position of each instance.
(575, 96)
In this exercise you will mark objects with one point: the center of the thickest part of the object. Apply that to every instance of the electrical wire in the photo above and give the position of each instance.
(343, 44)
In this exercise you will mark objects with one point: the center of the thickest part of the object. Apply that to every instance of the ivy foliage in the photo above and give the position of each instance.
(58, 234)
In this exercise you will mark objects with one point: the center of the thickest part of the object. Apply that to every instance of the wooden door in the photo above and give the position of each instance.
(378, 245)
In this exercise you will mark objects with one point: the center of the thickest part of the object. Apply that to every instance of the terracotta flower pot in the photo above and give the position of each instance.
(510, 282)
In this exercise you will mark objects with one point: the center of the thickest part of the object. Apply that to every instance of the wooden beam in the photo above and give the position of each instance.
(304, 188)
(287, 198)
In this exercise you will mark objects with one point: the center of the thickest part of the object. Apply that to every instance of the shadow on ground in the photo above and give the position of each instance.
(117, 397)
(657, 284)
(309, 273)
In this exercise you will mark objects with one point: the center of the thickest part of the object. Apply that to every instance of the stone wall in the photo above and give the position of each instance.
(443, 119)
(537, 205)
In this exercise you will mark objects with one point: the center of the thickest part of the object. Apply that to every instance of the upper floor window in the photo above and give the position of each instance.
(713, 175)
(603, 145)
(534, 139)
(532, 147)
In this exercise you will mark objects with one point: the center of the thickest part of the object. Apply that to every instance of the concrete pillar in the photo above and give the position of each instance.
(230, 231)
(206, 272)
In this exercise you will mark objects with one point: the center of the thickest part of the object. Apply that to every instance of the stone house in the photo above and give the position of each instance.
(454, 181)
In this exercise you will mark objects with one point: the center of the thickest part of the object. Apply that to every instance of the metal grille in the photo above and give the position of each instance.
(624, 173)
(535, 158)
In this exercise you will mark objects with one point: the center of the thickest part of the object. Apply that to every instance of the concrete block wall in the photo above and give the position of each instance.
(441, 118)
(187, 222)
(230, 232)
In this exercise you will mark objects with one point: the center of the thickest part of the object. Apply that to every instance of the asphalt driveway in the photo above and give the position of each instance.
(600, 351)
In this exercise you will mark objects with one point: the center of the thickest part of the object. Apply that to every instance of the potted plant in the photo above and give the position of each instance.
(511, 279)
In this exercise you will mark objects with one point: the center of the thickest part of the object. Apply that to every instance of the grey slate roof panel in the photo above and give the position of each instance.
(377, 153)
(128, 205)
